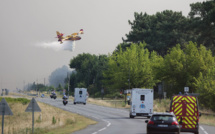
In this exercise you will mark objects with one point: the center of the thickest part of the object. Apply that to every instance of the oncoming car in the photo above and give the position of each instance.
(165, 123)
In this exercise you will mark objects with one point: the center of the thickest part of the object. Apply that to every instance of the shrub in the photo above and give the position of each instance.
(53, 120)
(24, 101)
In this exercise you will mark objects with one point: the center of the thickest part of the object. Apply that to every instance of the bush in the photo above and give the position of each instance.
(53, 120)
(24, 101)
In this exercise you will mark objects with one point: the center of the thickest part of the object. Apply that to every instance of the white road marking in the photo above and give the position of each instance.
(104, 127)
(203, 130)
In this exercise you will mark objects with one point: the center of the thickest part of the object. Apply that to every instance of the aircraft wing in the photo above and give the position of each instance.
(74, 34)
(67, 37)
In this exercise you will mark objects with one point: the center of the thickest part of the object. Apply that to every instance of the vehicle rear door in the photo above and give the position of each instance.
(190, 115)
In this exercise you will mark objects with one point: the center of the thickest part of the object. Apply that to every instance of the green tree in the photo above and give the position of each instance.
(160, 31)
(88, 71)
(205, 85)
(202, 23)
(180, 67)
(132, 68)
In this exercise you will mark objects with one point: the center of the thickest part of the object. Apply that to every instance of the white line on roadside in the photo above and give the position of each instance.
(203, 130)
(104, 127)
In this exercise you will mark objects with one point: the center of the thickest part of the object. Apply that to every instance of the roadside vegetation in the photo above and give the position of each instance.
(51, 120)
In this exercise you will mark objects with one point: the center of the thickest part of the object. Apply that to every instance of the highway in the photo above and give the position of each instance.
(110, 120)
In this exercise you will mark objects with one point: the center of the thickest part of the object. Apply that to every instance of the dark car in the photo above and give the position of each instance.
(163, 123)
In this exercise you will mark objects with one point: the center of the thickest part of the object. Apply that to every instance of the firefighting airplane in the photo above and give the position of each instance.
(72, 37)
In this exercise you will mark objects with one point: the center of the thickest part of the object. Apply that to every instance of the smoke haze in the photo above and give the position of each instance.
(66, 45)
(59, 75)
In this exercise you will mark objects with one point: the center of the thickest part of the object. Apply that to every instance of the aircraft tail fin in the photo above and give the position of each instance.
(81, 31)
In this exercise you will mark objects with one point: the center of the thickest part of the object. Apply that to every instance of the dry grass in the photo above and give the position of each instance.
(108, 103)
(98, 102)
(207, 120)
(51, 119)
(161, 106)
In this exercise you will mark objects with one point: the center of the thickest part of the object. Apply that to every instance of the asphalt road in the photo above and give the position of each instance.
(110, 120)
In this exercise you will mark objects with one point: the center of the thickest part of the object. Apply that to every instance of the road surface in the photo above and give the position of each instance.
(110, 120)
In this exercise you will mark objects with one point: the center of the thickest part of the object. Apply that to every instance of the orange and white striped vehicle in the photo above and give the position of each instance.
(185, 108)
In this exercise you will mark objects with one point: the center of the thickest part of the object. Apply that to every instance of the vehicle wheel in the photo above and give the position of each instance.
(54, 97)
(84, 103)
(196, 132)
(131, 116)
(64, 103)
(74, 103)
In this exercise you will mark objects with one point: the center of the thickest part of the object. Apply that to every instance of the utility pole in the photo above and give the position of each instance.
(68, 83)
(37, 87)
(23, 85)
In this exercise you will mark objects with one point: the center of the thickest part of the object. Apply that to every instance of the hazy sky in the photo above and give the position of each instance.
(26, 26)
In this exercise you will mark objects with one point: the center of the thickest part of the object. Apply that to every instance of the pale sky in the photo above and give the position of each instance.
(24, 24)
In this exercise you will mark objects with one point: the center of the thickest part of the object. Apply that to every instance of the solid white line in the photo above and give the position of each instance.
(203, 130)
(104, 127)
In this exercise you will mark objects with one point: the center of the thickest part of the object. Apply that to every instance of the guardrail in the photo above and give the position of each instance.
(208, 114)
(116, 103)
(32, 94)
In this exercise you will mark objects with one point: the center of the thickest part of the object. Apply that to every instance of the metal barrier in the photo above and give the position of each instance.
(32, 94)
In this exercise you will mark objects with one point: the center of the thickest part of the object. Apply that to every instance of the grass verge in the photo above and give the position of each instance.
(51, 120)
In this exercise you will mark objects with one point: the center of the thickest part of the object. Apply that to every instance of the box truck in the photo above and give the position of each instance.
(141, 102)
(80, 95)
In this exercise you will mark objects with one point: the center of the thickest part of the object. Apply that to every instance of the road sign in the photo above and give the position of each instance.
(33, 106)
(186, 89)
(4, 108)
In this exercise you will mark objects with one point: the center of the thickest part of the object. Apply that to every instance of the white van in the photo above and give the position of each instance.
(80, 95)
(141, 102)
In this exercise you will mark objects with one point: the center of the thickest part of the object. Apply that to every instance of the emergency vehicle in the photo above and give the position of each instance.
(80, 95)
(141, 102)
(185, 108)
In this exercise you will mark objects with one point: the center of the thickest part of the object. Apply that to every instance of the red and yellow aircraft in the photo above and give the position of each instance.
(72, 37)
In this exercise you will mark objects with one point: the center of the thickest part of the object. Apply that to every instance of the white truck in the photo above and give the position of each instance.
(80, 95)
(141, 102)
